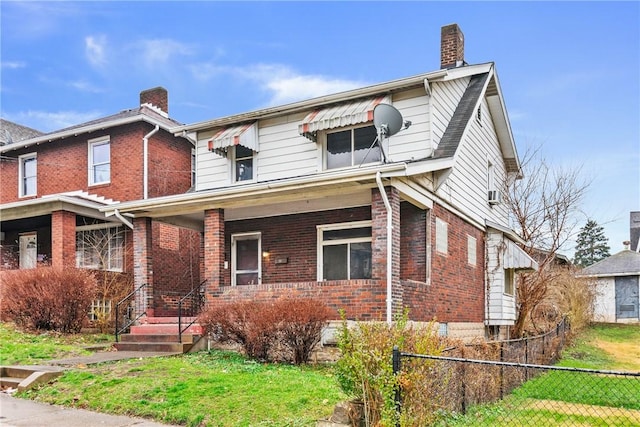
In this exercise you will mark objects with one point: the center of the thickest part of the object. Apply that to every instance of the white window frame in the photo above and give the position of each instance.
(254, 235)
(442, 237)
(91, 169)
(509, 285)
(22, 160)
(235, 159)
(369, 159)
(338, 226)
(99, 306)
(119, 233)
(193, 166)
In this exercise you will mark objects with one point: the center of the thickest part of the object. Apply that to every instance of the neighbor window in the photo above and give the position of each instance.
(99, 161)
(344, 251)
(509, 279)
(243, 164)
(442, 238)
(193, 166)
(245, 259)
(28, 174)
(351, 147)
(100, 248)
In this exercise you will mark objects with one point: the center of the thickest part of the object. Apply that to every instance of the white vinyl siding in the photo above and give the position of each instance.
(445, 97)
(501, 308)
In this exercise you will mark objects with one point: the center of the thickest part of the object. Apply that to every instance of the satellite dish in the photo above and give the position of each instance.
(387, 120)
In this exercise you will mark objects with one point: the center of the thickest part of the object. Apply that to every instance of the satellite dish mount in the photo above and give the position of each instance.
(388, 121)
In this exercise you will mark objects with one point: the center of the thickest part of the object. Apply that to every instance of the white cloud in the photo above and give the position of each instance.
(47, 121)
(85, 86)
(13, 64)
(95, 47)
(155, 52)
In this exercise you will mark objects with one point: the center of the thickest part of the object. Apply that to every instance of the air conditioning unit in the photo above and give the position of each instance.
(494, 197)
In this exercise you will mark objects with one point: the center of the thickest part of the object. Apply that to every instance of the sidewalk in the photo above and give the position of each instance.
(16, 412)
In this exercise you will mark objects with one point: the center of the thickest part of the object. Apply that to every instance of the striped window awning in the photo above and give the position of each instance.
(352, 113)
(517, 259)
(245, 135)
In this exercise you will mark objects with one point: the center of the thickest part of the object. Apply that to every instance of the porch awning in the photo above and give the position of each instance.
(340, 115)
(517, 259)
(245, 135)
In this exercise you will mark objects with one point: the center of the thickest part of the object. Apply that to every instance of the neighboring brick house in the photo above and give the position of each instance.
(54, 184)
(298, 200)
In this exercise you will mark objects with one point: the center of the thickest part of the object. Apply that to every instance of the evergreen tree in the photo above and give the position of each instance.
(591, 245)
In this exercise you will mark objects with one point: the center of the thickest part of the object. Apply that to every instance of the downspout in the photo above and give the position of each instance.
(387, 206)
(124, 220)
(145, 167)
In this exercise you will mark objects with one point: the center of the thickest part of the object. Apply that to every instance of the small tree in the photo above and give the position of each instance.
(591, 245)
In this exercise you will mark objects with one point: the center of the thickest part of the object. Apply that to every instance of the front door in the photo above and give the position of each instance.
(245, 259)
(627, 297)
(28, 250)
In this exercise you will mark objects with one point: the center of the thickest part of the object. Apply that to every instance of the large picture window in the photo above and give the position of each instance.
(28, 175)
(245, 259)
(99, 161)
(351, 147)
(344, 251)
(100, 248)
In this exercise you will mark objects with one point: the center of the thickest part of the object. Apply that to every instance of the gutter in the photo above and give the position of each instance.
(145, 160)
(125, 221)
(387, 206)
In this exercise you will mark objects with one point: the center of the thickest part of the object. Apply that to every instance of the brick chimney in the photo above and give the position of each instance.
(451, 47)
(158, 97)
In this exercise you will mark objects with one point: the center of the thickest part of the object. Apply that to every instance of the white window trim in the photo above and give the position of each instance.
(509, 272)
(234, 178)
(93, 227)
(320, 229)
(21, 160)
(91, 143)
(234, 256)
(323, 155)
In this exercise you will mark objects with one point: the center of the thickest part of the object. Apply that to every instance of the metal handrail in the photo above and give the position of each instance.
(126, 299)
(197, 306)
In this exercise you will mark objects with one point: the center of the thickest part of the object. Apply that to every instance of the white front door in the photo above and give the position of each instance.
(28, 250)
(245, 259)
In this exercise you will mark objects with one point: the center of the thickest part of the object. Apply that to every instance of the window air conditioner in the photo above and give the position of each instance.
(494, 197)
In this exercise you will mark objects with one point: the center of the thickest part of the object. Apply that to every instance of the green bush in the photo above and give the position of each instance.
(365, 370)
(47, 298)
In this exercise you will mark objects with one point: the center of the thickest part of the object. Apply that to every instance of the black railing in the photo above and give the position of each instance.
(129, 313)
(190, 305)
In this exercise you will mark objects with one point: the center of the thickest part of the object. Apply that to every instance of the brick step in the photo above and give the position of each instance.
(164, 329)
(172, 338)
(165, 347)
(166, 320)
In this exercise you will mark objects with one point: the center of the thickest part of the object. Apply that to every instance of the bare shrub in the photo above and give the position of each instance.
(48, 298)
(285, 329)
(111, 288)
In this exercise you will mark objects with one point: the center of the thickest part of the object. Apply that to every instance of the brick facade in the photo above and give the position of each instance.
(63, 238)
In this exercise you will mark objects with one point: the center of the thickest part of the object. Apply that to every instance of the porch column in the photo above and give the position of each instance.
(63, 239)
(143, 264)
(379, 243)
(213, 251)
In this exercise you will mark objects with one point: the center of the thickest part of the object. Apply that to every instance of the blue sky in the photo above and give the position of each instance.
(569, 71)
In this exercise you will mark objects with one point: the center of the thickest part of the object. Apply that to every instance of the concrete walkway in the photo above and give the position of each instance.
(16, 412)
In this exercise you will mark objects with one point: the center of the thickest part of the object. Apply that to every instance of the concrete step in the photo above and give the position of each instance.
(26, 377)
(167, 347)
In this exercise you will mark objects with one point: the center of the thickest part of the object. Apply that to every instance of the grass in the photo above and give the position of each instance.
(18, 348)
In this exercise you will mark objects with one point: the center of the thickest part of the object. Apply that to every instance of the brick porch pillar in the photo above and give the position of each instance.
(213, 251)
(143, 264)
(63, 239)
(379, 243)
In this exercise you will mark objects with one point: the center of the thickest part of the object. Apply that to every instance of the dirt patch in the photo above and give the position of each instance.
(626, 354)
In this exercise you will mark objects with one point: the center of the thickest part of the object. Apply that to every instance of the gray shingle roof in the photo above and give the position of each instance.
(623, 263)
(13, 132)
(466, 107)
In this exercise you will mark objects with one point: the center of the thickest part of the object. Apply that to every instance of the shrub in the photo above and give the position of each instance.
(48, 298)
(293, 325)
(111, 287)
(365, 370)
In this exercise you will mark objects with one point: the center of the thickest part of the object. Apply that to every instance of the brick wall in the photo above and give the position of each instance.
(8, 179)
(63, 239)
(169, 164)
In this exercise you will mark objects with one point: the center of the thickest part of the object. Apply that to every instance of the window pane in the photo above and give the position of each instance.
(339, 149)
(242, 152)
(247, 251)
(360, 260)
(29, 167)
(363, 138)
(334, 260)
(247, 279)
(347, 233)
(101, 173)
(101, 153)
(244, 170)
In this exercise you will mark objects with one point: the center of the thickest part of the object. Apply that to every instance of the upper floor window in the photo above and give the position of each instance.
(344, 251)
(99, 161)
(243, 164)
(100, 247)
(28, 175)
(193, 166)
(351, 147)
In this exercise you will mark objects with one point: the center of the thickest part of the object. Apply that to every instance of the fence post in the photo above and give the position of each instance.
(397, 366)
(502, 370)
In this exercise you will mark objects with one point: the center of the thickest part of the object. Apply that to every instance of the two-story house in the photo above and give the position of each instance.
(54, 185)
(301, 200)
